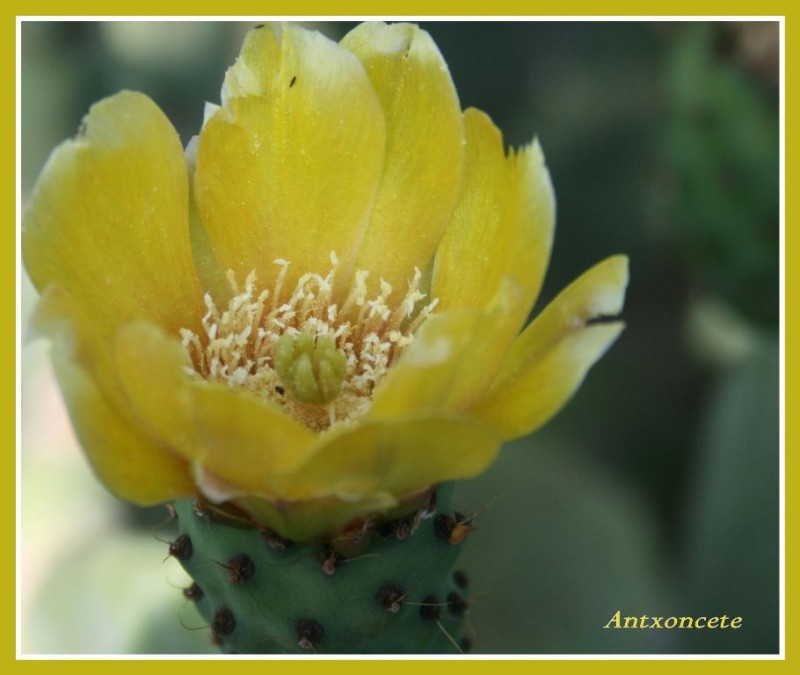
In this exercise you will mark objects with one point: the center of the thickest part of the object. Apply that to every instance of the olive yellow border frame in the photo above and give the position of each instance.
(9, 282)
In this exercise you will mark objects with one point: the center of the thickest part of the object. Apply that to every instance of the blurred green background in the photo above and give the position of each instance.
(657, 490)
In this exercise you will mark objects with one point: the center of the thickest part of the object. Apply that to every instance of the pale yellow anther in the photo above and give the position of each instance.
(317, 359)
(312, 370)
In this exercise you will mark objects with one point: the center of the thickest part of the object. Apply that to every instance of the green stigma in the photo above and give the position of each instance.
(312, 370)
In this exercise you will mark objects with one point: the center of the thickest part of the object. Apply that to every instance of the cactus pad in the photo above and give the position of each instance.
(393, 593)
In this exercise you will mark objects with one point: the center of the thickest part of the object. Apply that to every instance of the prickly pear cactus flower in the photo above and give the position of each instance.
(315, 312)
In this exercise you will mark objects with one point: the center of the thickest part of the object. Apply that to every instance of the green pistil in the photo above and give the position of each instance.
(311, 369)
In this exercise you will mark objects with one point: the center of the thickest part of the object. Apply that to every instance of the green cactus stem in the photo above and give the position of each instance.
(385, 588)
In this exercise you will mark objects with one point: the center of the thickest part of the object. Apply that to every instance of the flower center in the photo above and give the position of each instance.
(312, 368)
(317, 360)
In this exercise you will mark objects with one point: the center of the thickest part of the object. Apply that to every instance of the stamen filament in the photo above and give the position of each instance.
(365, 335)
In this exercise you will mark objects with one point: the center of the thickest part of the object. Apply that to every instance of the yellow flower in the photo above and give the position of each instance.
(313, 312)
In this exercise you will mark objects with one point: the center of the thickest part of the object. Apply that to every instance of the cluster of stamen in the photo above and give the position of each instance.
(237, 344)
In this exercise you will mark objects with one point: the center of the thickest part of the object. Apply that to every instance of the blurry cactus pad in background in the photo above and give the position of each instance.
(304, 323)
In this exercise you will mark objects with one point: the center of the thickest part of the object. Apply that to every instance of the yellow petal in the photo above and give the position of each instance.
(289, 166)
(502, 225)
(423, 379)
(130, 463)
(548, 362)
(57, 316)
(489, 343)
(398, 457)
(212, 276)
(108, 219)
(230, 432)
(453, 359)
(424, 148)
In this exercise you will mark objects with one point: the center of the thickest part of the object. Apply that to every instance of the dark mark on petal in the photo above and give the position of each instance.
(603, 318)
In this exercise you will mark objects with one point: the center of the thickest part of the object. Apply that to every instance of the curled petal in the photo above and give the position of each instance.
(547, 363)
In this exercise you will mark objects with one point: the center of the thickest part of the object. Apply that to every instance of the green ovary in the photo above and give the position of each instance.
(311, 369)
